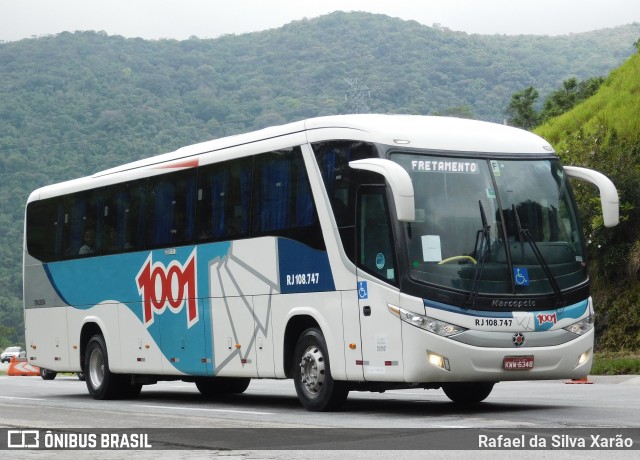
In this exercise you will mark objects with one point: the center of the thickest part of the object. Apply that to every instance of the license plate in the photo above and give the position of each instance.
(517, 363)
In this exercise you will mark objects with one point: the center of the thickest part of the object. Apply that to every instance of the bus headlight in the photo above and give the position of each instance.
(580, 327)
(427, 323)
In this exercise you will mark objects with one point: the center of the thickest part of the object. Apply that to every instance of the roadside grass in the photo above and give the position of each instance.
(616, 363)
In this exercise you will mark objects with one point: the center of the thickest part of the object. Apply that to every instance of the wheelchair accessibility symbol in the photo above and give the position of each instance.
(521, 276)
(363, 292)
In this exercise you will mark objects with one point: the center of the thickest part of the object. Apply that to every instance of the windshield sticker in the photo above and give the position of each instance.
(380, 261)
(431, 248)
(491, 193)
(495, 167)
(464, 167)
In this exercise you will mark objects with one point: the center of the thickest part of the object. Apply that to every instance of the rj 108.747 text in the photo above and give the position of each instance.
(303, 278)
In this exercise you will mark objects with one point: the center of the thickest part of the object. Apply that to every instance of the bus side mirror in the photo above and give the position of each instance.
(608, 192)
(399, 180)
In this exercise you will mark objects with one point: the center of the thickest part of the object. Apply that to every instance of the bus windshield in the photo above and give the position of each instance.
(492, 226)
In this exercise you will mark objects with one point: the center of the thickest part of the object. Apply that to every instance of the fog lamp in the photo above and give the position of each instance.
(438, 360)
(584, 357)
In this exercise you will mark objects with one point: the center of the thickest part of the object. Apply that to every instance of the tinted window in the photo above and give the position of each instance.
(375, 241)
(282, 201)
(78, 224)
(124, 217)
(170, 209)
(224, 200)
(267, 194)
(342, 182)
(42, 230)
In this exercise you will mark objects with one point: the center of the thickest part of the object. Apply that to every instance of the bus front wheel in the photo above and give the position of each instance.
(311, 372)
(467, 392)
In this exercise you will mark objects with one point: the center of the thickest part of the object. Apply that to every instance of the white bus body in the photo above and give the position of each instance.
(356, 252)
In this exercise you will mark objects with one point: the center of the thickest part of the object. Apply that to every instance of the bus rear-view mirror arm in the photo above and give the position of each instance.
(608, 192)
(399, 180)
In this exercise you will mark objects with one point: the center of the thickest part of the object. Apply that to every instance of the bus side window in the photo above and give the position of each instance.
(223, 201)
(283, 204)
(171, 209)
(79, 224)
(124, 217)
(375, 240)
(342, 182)
(272, 192)
(42, 230)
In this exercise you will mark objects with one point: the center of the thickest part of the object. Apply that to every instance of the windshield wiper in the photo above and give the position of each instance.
(485, 247)
(525, 234)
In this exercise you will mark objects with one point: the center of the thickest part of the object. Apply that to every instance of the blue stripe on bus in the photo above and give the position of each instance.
(85, 282)
(544, 320)
(303, 269)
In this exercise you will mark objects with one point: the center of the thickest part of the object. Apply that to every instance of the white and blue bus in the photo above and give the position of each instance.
(355, 252)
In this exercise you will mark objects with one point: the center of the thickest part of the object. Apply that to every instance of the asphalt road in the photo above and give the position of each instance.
(269, 408)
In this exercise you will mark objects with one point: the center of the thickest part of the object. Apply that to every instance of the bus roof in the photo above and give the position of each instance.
(439, 133)
(426, 132)
(415, 131)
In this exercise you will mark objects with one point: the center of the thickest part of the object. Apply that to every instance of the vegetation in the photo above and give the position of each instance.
(522, 110)
(75, 103)
(603, 132)
(616, 363)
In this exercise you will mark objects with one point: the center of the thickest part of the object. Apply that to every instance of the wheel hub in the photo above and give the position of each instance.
(96, 368)
(312, 370)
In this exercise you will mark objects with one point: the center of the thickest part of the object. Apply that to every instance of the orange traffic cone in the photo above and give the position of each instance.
(582, 380)
(20, 367)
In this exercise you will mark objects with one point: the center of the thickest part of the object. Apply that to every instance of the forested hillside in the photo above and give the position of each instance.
(603, 133)
(75, 103)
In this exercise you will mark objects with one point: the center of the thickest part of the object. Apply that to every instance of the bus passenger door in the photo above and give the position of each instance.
(380, 330)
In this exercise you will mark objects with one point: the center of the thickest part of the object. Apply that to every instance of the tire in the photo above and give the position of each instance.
(46, 374)
(311, 370)
(216, 386)
(468, 392)
(101, 382)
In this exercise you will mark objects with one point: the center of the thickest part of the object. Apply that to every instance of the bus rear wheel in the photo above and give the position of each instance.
(101, 382)
(216, 386)
(467, 392)
(46, 374)
(311, 370)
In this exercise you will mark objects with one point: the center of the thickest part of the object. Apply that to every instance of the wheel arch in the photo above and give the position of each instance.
(89, 329)
(295, 327)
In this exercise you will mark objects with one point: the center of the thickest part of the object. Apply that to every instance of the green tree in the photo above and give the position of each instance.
(521, 108)
(567, 97)
(460, 111)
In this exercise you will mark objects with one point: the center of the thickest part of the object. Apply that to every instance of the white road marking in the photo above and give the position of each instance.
(26, 399)
(206, 410)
